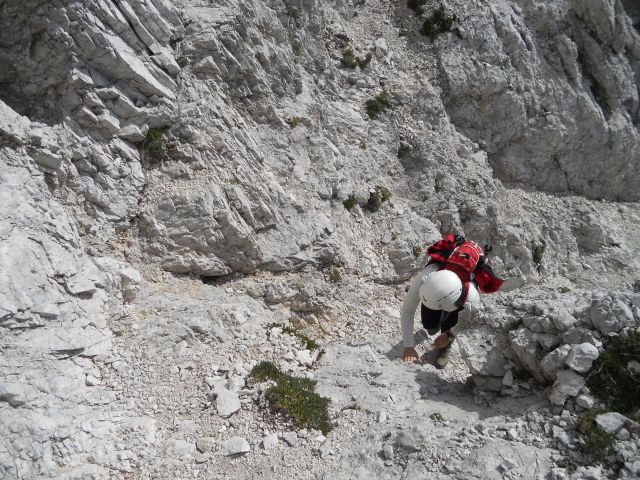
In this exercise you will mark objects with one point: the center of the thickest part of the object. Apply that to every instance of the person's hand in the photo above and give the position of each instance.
(441, 340)
(409, 354)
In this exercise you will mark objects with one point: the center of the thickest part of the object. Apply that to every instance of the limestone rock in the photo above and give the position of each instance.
(227, 402)
(610, 422)
(567, 384)
(581, 357)
(270, 441)
(236, 446)
(291, 438)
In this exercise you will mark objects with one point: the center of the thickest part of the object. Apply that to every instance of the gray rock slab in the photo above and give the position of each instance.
(568, 384)
(581, 357)
(291, 438)
(610, 422)
(227, 402)
(236, 446)
(270, 441)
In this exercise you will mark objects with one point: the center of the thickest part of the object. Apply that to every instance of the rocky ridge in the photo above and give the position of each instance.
(236, 222)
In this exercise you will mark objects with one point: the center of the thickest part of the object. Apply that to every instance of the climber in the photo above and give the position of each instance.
(456, 269)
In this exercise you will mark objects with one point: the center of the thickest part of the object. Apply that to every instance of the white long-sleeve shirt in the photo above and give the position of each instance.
(412, 300)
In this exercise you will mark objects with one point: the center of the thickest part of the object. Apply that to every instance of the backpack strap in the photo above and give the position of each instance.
(463, 296)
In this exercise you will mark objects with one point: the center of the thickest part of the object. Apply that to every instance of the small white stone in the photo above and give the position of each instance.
(623, 434)
(92, 381)
(387, 452)
(585, 401)
(235, 446)
(227, 403)
(304, 357)
(291, 438)
(270, 441)
(507, 380)
(610, 422)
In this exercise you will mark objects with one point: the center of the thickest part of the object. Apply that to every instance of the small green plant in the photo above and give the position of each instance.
(417, 6)
(385, 192)
(182, 60)
(296, 48)
(350, 202)
(418, 250)
(294, 122)
(537, 252)
(294, 397)
(377, 197)
(436, 417)
(309, 343)
(155, 144)
(351, 60)
(479, 428)
(596, 442)
(564, 290)
(377, 105)
(343, 39)
(362, 146)
(437, 23)
(610, 379)
(293, 12)
(334, 275)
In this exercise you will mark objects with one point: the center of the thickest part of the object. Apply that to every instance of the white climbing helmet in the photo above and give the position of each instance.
(441, 290)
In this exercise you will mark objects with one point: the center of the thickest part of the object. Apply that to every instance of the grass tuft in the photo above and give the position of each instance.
(334, 275)
(436, 417)
(610, 379)
(417, 6)
(351, 60)
(296, 48)
(377, 198)
(377, 105)
(294, 397)
(309, 343)
(596, 442)
(350, 202)
(155, 144)
(437, 23)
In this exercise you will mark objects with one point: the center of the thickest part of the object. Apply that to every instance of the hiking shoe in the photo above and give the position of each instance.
(443, 359)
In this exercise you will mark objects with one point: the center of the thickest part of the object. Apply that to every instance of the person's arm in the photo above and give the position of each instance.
(409, 306)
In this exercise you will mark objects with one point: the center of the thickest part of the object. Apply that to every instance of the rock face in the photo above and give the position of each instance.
(545, 96)
(177, 176)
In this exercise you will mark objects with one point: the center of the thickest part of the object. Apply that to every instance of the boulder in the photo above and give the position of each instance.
(581, 357)
(568, 384)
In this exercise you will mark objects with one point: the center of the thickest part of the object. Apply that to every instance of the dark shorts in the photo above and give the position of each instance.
(438, 318)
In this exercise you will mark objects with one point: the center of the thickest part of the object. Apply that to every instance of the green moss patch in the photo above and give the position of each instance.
(610, 378)
(294, 397)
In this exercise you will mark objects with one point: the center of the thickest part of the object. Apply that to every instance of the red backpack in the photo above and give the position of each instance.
(464, 259)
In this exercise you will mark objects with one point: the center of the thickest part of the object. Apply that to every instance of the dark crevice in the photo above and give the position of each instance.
(596, 89)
